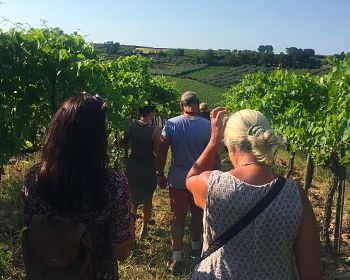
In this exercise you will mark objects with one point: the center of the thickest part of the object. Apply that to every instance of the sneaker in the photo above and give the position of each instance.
(176, 267)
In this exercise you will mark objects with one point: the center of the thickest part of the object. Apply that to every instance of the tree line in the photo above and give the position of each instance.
(264, 56)
(292, 58)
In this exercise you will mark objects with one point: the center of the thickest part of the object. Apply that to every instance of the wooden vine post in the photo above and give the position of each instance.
(340, 207)
(309, 173)
(291, 164)
(328, 206)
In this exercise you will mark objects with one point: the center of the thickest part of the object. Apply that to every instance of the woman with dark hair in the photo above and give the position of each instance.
(144, 139)
(73, 179)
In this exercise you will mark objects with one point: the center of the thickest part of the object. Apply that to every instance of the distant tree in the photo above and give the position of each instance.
(292, 51)
(112, 47)
(302, 58)
(209, 56)
(281, 57)
(262, 49)
(340, 56)
(161, 54)
(269, 59)
(232, 59)
(309, 52)
(308, 58)
(210, 53)
(179, 52)
(268, 49)
(265, 49)
(252, 57)
(293, 54)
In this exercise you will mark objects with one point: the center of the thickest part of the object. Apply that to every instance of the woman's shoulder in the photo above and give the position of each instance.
(219, 179)
(215, 174)
(220, 175)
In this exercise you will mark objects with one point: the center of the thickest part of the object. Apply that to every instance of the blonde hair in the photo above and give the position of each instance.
(250, 132)
(203, 107)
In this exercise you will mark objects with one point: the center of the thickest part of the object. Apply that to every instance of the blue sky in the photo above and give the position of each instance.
(323, 25)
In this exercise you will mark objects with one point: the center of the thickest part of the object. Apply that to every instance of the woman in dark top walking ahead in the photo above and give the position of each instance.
(143, 138)
(73, 179)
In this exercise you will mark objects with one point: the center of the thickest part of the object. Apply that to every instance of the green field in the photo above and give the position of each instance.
(212, 95)
(208, 72)
(319, 71)
(194, 52)
(174, 65)
(225, 76)
(175, 69)
(201, 52)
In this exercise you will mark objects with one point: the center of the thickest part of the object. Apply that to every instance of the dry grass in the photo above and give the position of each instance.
(150, 255)
(11, 224)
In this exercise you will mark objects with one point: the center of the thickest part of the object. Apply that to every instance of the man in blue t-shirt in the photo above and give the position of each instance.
(187, 135)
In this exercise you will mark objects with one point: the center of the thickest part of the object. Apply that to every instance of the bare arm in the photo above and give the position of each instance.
(197, 177)
(163, 152)
(307, 244)
(156, 146)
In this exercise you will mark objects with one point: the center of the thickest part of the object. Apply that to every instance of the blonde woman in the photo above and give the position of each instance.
(282, 242)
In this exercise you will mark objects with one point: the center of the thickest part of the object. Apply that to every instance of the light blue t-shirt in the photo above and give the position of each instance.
(188, 138)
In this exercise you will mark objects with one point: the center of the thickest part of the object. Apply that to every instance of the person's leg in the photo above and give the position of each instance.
(177, 231)
(196, 226)
(147, 210)
(179, 207)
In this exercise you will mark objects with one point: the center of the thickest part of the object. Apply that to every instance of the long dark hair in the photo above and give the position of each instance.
(74, 156)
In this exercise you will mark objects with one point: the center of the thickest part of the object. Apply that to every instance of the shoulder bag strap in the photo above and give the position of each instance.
(247, 219)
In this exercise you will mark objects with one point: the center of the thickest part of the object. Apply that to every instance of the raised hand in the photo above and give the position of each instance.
(218, 124)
